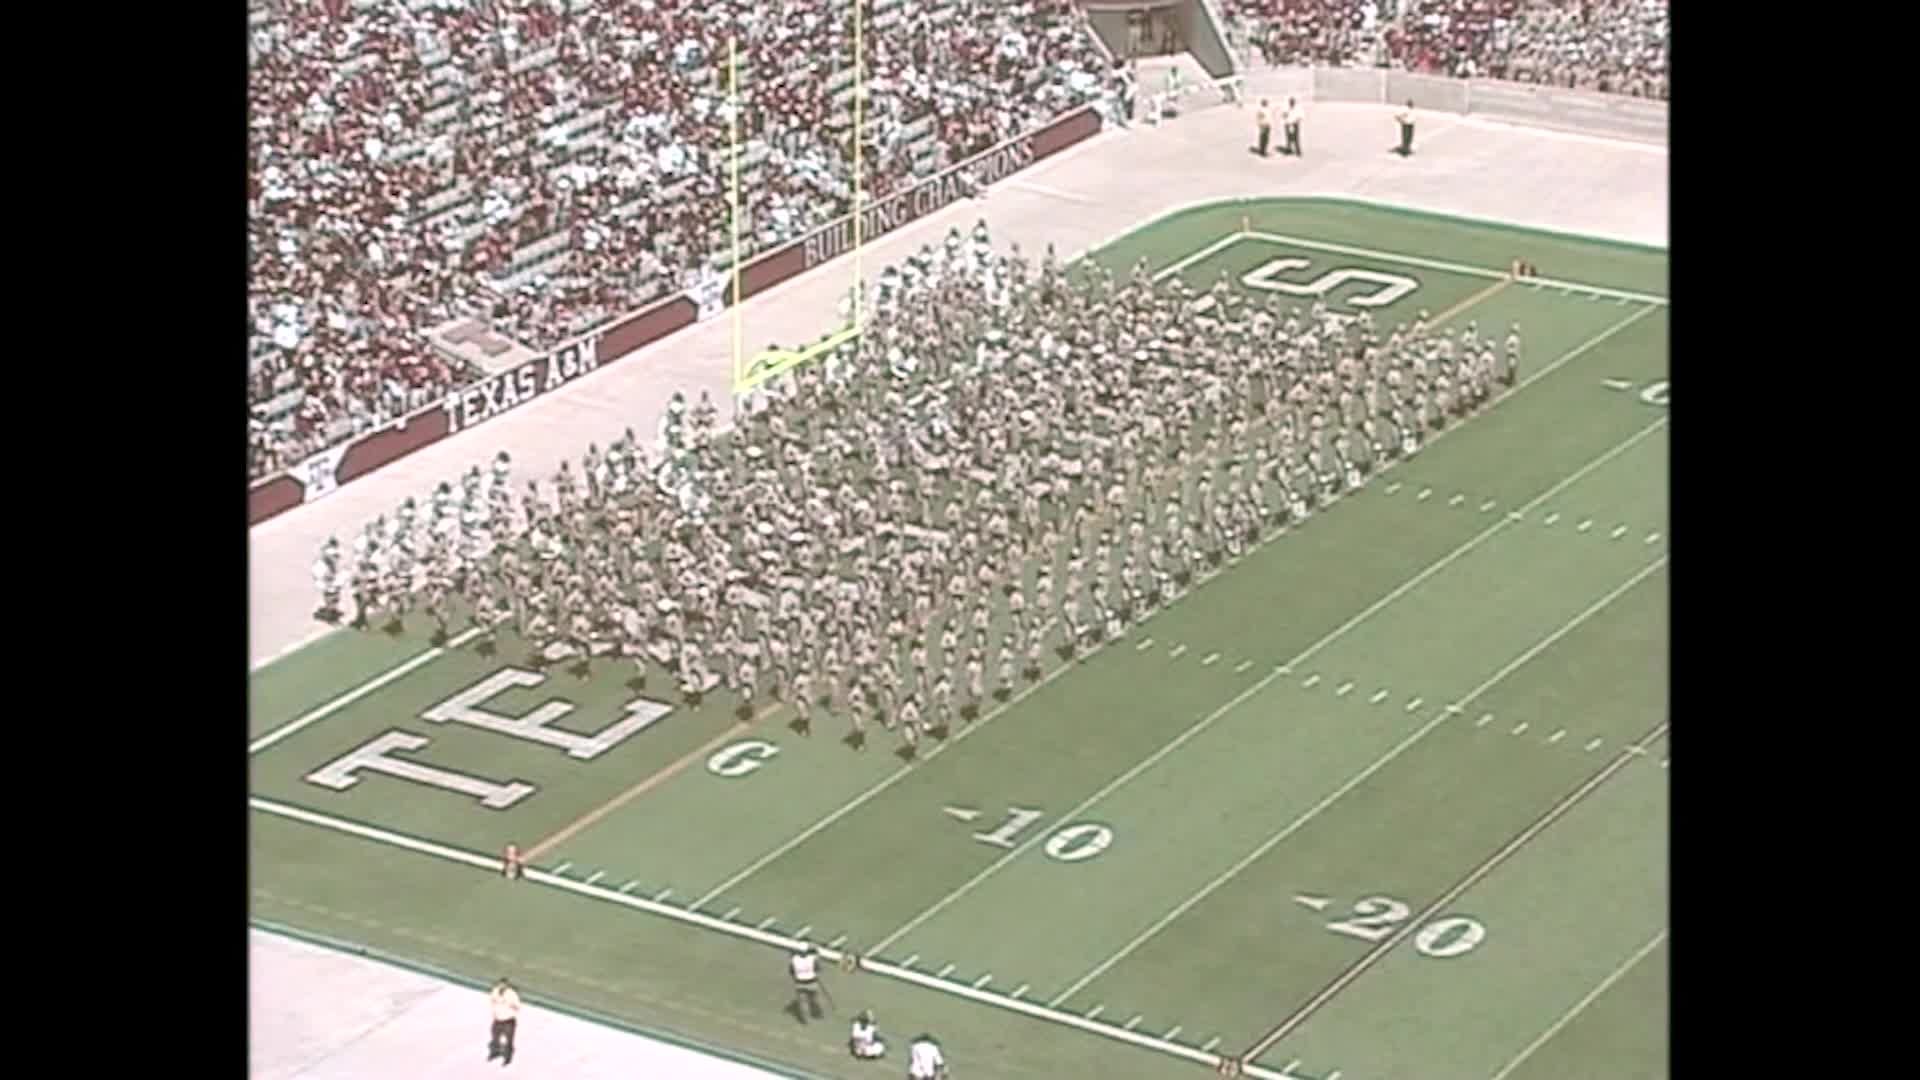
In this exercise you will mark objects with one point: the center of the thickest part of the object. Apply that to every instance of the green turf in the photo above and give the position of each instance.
(1280, 784)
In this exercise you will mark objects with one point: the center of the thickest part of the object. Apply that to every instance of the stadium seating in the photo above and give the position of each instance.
(416, 161)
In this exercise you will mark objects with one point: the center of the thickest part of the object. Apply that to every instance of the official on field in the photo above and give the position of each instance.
(1264, 121)
(1405, 117)
(1295, 114)
(804, 966)
(504, 1002)
(925, 1061)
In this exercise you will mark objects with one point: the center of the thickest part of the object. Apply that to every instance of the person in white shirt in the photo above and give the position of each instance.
(504, 1001)
(864, 1041)
(925, 1061)
(805, 968)
(1294, 115)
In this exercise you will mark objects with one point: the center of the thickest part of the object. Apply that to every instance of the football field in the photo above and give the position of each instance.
(1386, 797)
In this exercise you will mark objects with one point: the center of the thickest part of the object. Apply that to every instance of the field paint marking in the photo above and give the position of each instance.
(628, 887)
(1359, 778)
(562, 868)
(1415, 703)
(596, 876)
(1310, 681)
(1378, 697)
(946, 971)
(1211, 1043)
(1557, 736)
(1653, 538)
(402, 670)
(983, 980)
(731, 912)
(1456, 708)
(1284, 669)
(1135, 1022)
(803, 931)
(1485, 719)
(1459, 888)
(1663, 762)
(768, 921)
(1242, 666)
(1210, 659)
(1580, 1006)
(1317, 903)
(1287, 1069)
(1202, 255)
(1551, 518)
(661, 896)
(1018, 992)
(1618, 532)
(1176, 1030)
(837, 942)
(1594, 745)
(1520, 728)
(646, 784)
(1052, 192)
(1584, 525)
(1456, 500)
(1456, 268)
(908, 962)
(1096, 1011)
(1425, 494)
(1486, 506)
(1343, 689)
(1636, 750)
(1393, 487)
(1145, 644)
(1178, 652)
(1483, 294)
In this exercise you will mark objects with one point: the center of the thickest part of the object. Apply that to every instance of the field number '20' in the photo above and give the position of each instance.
(1392, 286)
(1070, 843)
(1376, 916)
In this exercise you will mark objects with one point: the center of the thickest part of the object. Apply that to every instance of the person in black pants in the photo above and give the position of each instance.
(504, 1001)
(1293, 117)
(1265, 122)
(1406, 129)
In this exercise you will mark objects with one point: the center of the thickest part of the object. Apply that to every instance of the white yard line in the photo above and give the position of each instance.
(1458, 268)
(980, 725)
(1453, 894)
(1580, 1006)
(405, 668)
(1294, 826)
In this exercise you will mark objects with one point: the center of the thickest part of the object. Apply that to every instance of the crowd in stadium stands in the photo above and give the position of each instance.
(1610, 46)
(552, 165)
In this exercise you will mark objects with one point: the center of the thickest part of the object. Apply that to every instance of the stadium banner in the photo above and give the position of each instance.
(320, 474)
(709, 295)
(927, 197)
(496, 394)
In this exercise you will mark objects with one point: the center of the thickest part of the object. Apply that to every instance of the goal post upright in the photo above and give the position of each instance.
(859, 124)
(733, 158)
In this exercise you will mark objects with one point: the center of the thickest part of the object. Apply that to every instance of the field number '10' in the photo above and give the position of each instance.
(1376, 916)
(1070, 843)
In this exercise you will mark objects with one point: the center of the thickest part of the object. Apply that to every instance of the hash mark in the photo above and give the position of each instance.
(596, 876)
(1513, 515)
(1145, 644)
(731, 912)
(1178, 651)
(1584, 525)
(1244, 665)
(837, 942)
(1378, 697)
(1311, 681)
(1663, 762)
(1210, 659)
(1551, 518)
(1653, 538)
(1018, 991)
(983, 980)
(1557, 736)
(1415, 703)
(1135, 1022)
(1211, 1043)
(1424, 493)
(1486, 506)
(628, 887)
(1393, 487)
(1343, 689)
(908, 962)
(1520, 727)
(1169, 1035)
(1636, 749)
(1618, 532)
(946, 971)
(768, 921)
(1097, 1010)
(562, 868)
(661, 896)
(1290, 1066)
(1594, 745)
(803, 931)
(1456, 500)
(1485, 719)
